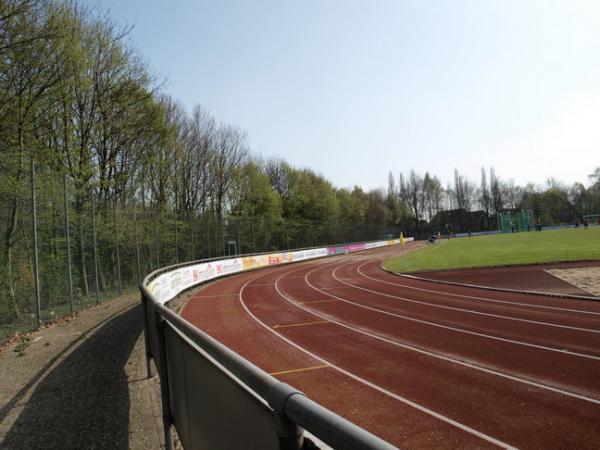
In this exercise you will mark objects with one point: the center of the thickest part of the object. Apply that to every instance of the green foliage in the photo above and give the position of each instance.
(167, 185)
(504, 249)
(310, 197)
(252, 195)
(21, 347)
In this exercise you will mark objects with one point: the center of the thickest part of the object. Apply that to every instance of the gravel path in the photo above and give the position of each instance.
(82, 384)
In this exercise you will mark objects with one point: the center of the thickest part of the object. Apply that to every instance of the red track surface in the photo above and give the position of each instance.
(419, 364)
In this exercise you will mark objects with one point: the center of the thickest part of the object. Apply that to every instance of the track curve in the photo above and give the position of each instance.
(419, 364)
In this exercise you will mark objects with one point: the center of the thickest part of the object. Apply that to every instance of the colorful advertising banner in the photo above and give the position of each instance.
(168, 285)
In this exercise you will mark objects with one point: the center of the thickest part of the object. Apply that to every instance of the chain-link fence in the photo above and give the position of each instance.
(91, 249)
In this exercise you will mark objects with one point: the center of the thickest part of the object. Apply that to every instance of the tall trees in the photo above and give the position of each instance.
(30, 65)
(251, 194)
(392, 202)
(496, 192)
(485, 198)
(77, 98)
(433, 194)
(230, 151)
(412, 194)
(311, 197)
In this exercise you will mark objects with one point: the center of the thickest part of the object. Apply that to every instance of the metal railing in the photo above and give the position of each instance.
(216, 399)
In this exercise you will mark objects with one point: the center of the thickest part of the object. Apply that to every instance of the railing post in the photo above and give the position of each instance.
(290, 435)
(146, 335)
(161, 325)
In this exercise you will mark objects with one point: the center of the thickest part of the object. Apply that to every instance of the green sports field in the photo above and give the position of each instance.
(503, 249)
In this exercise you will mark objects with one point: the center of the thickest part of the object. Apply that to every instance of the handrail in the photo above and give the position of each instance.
(290, 408)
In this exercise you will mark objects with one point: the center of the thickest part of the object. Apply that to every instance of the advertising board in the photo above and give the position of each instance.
(169, 284)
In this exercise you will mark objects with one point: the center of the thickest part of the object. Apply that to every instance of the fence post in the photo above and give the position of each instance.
(156, 213)
(223, 234)
(265, 235)
(69, 269)
(287, 235)
(116, 230)
(207, 224)
(137, 246)
(252, 234)
(176, 237)
(36, 263)
(237, 223)
(191, 213)
(95, 247)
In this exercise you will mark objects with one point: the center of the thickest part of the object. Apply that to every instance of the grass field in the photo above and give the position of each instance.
(503, 249)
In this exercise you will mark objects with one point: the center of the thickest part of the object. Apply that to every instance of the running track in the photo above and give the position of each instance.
(421, 365)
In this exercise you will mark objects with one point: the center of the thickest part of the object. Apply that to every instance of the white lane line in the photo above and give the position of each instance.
(448, 327)
(376, 387)
(428, 353)
(469, 311)
(472, 297)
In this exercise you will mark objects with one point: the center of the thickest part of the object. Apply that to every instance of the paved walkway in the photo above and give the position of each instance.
(82, 384)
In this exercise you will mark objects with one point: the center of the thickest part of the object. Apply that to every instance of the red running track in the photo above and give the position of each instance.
(419, 364)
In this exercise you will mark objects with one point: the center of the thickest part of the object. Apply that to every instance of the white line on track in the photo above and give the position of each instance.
(375, 386)
(469, 311)
(448, 327)
(426, 352)
(471, 297)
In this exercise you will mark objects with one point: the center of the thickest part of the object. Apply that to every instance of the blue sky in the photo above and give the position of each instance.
(355, 89)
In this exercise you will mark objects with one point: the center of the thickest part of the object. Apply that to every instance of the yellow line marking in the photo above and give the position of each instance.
(300, 324)
(318, 301)
(303, 369)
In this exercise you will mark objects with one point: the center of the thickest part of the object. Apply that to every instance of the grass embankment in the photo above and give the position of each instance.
(503, 249)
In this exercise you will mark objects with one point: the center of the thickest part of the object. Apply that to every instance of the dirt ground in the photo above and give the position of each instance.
(585, 278)
(82, 383)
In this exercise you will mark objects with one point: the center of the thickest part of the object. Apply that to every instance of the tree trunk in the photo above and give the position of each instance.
(9, 234)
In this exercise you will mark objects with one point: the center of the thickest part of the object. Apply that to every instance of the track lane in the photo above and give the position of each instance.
(373, 269)
(267, 306)
(479, 317)
(345, 349)
(391, 310)
(508, 358)
(504, 312)
(534, 303)
(422, 383)
(474, 319)
(221, 316)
